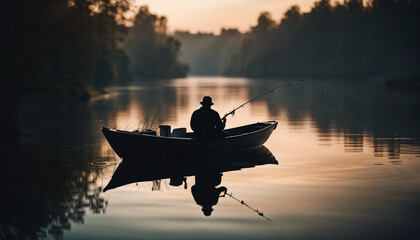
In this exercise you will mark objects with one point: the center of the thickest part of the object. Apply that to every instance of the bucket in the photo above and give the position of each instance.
(179, 132)
(165, 130)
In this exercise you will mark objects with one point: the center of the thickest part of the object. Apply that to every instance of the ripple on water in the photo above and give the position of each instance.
(381, 173)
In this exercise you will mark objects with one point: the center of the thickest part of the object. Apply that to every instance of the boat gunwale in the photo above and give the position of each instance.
(270, 123)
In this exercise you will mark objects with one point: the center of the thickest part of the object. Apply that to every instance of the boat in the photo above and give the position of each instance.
(156, 167)
(131, 145)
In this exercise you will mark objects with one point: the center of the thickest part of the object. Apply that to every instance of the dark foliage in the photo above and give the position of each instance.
(43, 197)
(349, 39)
(61, 47)
(70, 48)
(152, 52)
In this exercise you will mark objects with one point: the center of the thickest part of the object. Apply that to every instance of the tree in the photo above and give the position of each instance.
(56, 47)
(344, 40)
(153, 53)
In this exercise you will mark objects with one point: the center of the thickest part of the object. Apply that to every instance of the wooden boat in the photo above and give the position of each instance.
(155, 167)
(131, 145)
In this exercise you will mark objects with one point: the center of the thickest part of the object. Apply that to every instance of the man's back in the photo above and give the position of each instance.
(205, 122)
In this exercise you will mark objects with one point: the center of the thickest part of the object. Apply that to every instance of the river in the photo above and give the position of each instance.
(348, 157)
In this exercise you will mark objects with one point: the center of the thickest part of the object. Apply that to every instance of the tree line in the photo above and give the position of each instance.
(153, 52)
(207, 53)
(350, 39)
(76, 48)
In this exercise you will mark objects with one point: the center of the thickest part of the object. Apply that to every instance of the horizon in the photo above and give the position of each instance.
(212, 16)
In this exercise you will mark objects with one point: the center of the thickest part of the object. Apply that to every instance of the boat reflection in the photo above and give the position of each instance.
(208, 172)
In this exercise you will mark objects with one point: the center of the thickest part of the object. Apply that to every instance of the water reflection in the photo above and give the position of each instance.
(207, 171)
(352, 110)
(365, 116)
(205, 192)
(349, 154)
(43, 197)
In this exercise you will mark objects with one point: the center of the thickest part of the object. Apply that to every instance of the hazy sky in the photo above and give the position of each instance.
(212, 15)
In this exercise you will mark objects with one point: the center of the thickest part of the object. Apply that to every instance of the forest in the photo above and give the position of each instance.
(153, 53)
(75, 48)
(351, 39)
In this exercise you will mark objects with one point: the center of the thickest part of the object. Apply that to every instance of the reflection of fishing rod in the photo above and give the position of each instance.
(262, 94)
(246, 205)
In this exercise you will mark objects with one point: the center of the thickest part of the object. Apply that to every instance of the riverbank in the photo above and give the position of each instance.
(14, 107)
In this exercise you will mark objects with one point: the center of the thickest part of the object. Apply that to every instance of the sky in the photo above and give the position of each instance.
(212, 15)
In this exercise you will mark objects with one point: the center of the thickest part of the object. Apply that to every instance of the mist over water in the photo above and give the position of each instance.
(348, 157)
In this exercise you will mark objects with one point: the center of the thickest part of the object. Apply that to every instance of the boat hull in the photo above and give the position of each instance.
(131, 145)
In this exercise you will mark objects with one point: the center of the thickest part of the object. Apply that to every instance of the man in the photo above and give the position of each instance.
(205, 122)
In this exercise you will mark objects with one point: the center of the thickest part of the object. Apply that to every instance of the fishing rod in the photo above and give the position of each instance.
(262, 94)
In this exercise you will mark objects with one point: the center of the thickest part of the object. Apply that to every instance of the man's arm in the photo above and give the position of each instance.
(224, 122)
(220, 123)
(222, 190)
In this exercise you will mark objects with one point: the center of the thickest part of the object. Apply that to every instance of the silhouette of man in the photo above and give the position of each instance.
(205, 122)
(205, 192)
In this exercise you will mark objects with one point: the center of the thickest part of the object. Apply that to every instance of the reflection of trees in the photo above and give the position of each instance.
(393, 147)
(348, 108)
(43, 196)
(159, 101)
(154, 101)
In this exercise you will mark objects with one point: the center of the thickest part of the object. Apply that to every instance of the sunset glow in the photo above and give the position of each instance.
(211, 16)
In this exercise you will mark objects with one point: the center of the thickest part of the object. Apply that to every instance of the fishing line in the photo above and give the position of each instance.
(246, 205)
(262, 94)
(261, 214)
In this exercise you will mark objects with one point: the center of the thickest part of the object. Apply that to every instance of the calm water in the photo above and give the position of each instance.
(348, 165)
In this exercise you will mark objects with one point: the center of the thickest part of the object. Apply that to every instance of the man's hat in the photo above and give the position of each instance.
(206, 101)
(207, 210)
